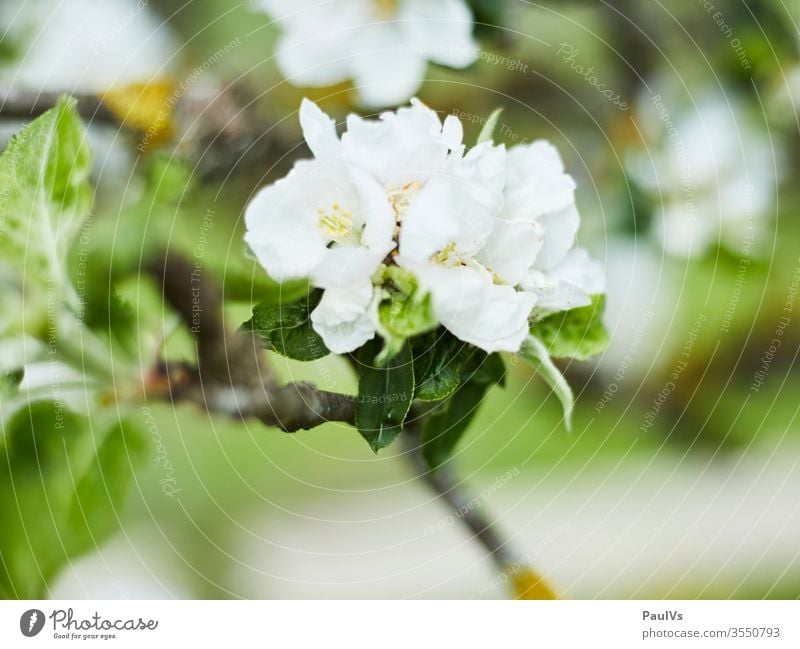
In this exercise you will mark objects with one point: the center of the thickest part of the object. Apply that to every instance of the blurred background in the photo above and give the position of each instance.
(681, 126)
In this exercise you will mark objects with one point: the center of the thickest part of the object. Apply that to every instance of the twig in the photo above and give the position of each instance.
(24, 105)
(231, 376)
(527, 584)
(217, 128)
(444, 483)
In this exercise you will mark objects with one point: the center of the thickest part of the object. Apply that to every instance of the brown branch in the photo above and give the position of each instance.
(25, 105)
(445, 484)
(219, 128)
(525, 582)
(232, 376)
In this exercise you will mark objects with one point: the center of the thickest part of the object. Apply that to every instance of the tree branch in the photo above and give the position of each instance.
(232, 376)
(24, 105)
(527, 584)
(219, 128)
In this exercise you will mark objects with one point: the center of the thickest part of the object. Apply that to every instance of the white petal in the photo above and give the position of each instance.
(457, 206)
(554, 295)
(452, 131)
(440, 31)
(319, 131)
(560, 229)
(538, 189)
(536, 181)
(293, 14)
(376, 211)
(345, 266)
(473, 308)
(314, 60)
(511, 249)
(580, 270)
(568, 285)
(283, 219)
(315, 47)
(281, 234)
(402, 147)
(344, 317)
(385, 73)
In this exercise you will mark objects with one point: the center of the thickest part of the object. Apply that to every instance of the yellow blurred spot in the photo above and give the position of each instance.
(386, 8)
(145, 107)
(529, 585)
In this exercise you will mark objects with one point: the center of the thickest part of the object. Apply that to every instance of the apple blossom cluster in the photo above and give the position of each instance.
(487, 233)
(382, 45)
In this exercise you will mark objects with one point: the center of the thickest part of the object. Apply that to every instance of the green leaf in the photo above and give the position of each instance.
(459, 375)
(446, 424)
(485, 369)
(487, 132)
(100, 494)
(45, 192)
(577, 333)
(384, 395)
(404, 313)
(62, 483)
(438, 358)
(535, 352)
(286, 328)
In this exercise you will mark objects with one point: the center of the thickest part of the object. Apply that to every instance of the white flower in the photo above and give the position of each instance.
(539, 222)
(333, 219)
(83, 45)
(443, 240)
(489, 235)
(712, 174)
(382, 45)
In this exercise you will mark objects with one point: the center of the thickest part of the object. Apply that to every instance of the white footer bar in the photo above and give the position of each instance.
(400, 624)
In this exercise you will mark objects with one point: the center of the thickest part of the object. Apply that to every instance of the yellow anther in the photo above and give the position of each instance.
(447, 256)
(400, 199)
(336, 223)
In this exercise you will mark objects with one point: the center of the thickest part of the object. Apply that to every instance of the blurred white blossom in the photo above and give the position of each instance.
(711, 172)
(82, 45)
(382, 45)
(488, 233)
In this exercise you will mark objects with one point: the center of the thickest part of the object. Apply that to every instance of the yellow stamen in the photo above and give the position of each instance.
(400, 199)
(447, 256)
(336, 223)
